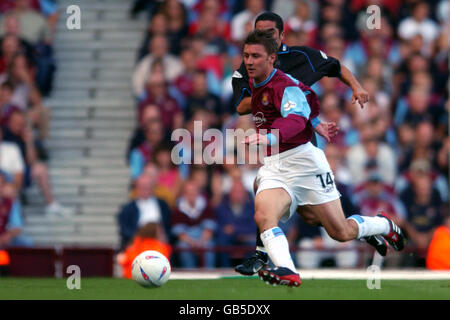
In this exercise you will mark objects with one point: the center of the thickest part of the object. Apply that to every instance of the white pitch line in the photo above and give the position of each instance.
(349, 274)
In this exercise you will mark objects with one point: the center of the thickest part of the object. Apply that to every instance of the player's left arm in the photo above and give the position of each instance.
(295, 111)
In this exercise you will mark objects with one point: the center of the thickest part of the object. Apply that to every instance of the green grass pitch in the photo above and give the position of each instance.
(221, 289)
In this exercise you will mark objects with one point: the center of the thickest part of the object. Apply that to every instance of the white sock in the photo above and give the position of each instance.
(369, 226)
(262, 249)
(277, 248)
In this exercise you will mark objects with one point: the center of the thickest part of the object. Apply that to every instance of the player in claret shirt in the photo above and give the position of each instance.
(307, 65)
(299, 174)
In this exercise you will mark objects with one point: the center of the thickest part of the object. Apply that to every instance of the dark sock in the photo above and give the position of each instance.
(259, 242)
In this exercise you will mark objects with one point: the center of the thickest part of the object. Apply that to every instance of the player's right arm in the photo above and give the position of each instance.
(332, 67)
(242, 96)
(359, 94)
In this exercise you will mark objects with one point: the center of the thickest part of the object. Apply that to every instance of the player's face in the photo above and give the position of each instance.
(258, 62)
(271, 25)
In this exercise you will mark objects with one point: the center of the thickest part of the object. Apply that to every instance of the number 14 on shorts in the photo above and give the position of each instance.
(326, 180)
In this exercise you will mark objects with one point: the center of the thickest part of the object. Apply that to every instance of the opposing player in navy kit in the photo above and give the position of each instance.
(296, 173)
(307, 65)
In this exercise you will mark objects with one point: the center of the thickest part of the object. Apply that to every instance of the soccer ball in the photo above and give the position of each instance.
(151, 269)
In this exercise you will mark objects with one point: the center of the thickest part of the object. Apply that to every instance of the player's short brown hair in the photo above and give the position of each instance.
(263, 37)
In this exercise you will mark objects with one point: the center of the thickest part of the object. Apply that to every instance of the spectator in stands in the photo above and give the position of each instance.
(6, 105)
(193, 225)
(443, 158)
(177, 23)
(440, 59)
(438, 255)
(11, 224)
(157, 93)
(207, 58)
(214, 31)
(146, 238)
(17, 132)
(424, 209)
(15, 43)
(12, 44)
(377, 69)
(210, 22)
(146, 208)
(252, 9)
(184, 82)
(169, 178)
(235, 223)
(158, 49)
(285, 8)
(417, 107)
(201, 98)
(12, 164)
(143, 154)
(38, 32)
(372, 43)
(206, 179)
(369, 148)
(378, 95)
(9, 48)
(301, 20)
(342, 176)
(26, 95)
(150, 114)
(425, 145)
(374, 195)
(418, 167)
(419, 23)
(331, 111)
(157, 25)
(33, 26)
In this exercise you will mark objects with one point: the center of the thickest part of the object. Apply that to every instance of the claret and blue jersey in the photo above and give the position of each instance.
(284, 103)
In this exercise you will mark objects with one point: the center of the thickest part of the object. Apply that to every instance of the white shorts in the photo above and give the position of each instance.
(303, 172)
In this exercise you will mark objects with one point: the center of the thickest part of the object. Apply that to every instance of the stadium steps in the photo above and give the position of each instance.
(93, 115)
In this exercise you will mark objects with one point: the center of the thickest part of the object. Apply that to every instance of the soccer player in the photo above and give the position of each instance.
(305, 64)
(299, 174)
(308, 66)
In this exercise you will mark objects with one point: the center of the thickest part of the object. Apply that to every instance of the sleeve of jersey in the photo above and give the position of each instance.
(241, 88)
(327, 65)
(295, 112)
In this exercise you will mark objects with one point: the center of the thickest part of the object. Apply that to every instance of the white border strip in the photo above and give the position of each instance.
(348, 274)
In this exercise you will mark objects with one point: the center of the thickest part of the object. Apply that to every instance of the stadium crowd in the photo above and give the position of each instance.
(27, 66)
(391, 155)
